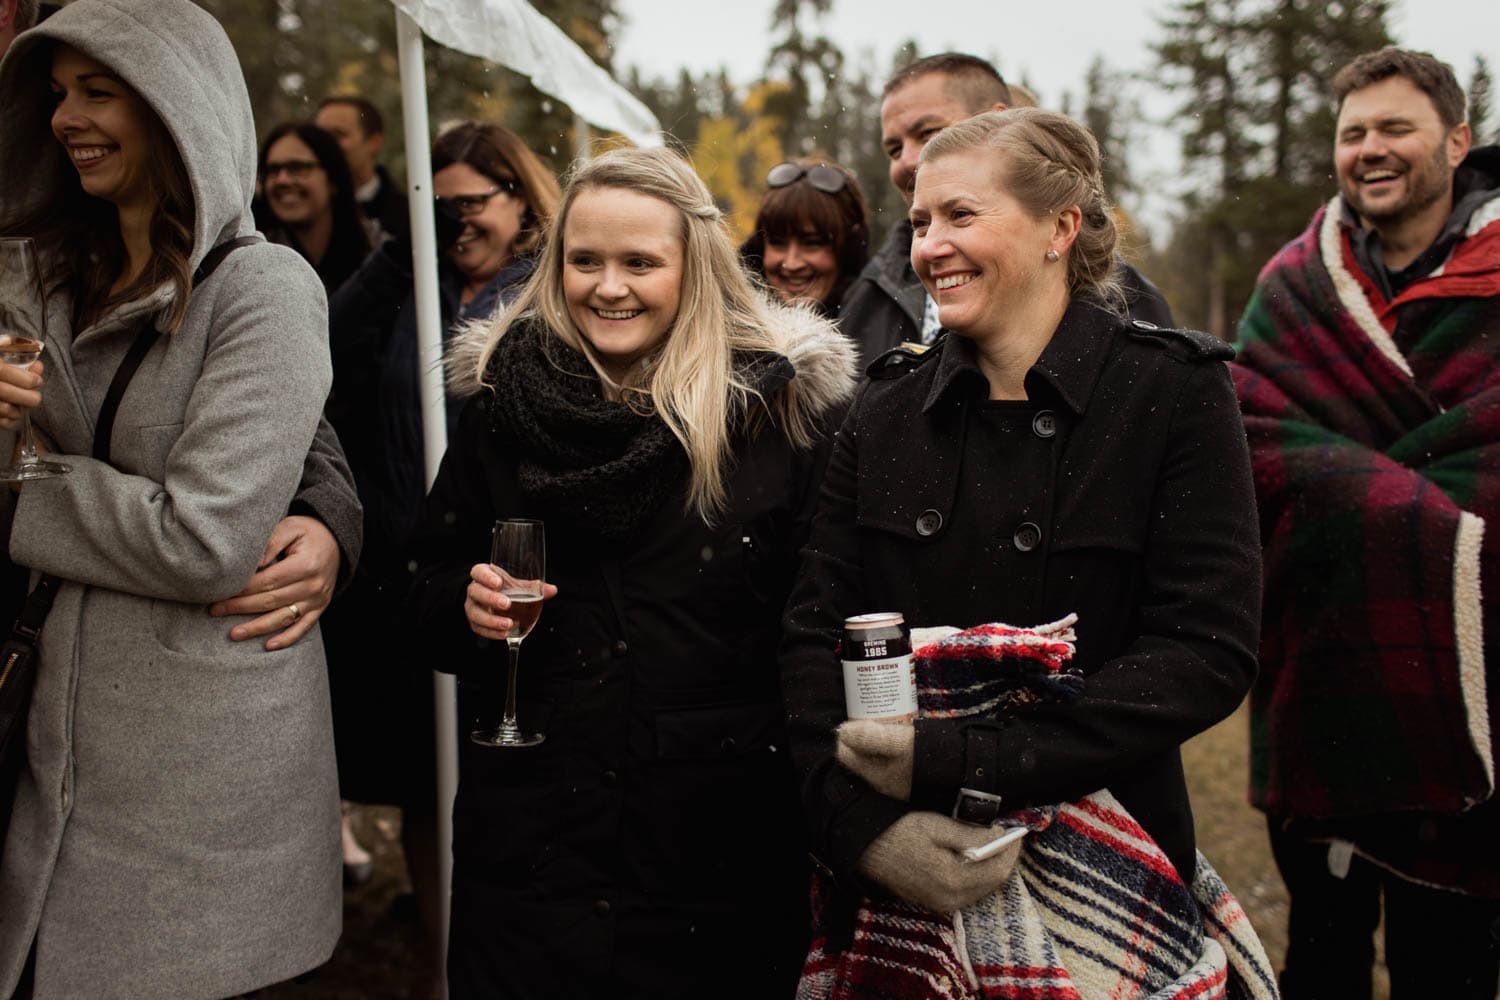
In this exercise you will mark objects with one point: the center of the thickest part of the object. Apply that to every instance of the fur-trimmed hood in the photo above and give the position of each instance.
(824, 361)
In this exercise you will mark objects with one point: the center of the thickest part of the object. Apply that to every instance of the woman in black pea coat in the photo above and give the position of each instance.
(1046, 457)
(652, 845)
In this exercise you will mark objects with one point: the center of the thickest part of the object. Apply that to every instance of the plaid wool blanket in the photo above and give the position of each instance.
(1374, 432)
(1094, 908)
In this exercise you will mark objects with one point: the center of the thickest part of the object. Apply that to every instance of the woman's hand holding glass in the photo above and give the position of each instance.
(23, 335)
(518, 559)
(485, 606)
(20, 392)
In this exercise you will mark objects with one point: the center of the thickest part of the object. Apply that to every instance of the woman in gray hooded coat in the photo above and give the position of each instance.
(175, 832)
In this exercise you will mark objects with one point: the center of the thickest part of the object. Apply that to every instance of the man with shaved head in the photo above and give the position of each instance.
(887, 306)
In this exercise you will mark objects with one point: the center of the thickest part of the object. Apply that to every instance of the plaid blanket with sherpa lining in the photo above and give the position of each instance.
(1094, 908)
(1374, 432)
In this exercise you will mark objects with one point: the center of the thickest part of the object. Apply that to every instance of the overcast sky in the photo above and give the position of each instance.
(1048, 44)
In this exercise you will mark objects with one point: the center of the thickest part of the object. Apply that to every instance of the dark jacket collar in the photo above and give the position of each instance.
(1068, 368)
(1476, 182)
(890, 269)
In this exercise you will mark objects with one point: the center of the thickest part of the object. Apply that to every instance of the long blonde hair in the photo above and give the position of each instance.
(691, 380)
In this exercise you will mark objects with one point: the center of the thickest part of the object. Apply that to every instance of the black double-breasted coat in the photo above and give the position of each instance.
(653, 845)
(1119, 490)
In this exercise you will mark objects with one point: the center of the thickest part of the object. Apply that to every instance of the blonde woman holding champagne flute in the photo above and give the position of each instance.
(670, 426)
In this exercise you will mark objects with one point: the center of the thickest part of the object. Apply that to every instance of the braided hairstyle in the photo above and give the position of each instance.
(1049, 163)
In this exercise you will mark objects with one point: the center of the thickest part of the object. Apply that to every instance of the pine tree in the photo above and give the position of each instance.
(798, 59)
(1480, 112)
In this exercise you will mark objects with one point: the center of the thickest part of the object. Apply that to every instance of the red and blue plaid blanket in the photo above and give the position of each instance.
(1094, 908)
(1374, 432)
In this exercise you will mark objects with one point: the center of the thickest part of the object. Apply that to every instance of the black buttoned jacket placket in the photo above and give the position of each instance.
(1142, 521)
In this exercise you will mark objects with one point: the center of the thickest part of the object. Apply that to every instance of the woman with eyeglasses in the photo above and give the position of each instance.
(494, 197)
(307, 201)
(812, 234)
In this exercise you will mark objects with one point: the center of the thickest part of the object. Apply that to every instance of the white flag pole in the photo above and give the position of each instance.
(434, 423)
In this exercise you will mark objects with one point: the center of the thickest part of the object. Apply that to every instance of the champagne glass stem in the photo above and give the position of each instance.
(28, 442)
(508, 725)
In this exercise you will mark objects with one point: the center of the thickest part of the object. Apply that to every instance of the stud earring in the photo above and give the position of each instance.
(1052, 256)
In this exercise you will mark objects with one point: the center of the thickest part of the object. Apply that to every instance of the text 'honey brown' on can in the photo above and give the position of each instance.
(880, 680)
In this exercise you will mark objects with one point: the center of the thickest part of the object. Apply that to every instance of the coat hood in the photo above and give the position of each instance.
(177, 57)
(824, 360)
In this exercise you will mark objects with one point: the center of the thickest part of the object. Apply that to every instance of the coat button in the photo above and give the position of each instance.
(621, 648)
(601, 907)
(1044, 424)
(1027, 537)
(928, 522)
(611, 779)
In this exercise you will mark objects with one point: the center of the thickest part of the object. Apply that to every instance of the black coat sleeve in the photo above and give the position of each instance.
(844, 814)
(327, 493)
(361, 320)
(452, 535)
(1194, 655)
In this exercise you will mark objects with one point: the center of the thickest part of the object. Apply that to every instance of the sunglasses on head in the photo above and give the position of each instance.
(829, 180)
(463, 205)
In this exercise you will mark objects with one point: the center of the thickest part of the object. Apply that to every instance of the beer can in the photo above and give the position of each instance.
(880, 679)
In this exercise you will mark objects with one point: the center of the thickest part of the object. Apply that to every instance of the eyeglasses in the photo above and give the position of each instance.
(463, 205)
(829, 180)
(297, 170)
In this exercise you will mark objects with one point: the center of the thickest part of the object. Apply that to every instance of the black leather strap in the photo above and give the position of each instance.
(144, 341)
(39, 601)
(215, 257)
(977, 801)
(34, 611)
(104, 429)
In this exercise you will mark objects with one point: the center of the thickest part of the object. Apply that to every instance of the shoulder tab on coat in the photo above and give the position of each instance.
(1199, 346)
(898, 361)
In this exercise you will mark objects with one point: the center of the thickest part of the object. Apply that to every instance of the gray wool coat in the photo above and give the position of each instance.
(176, 832)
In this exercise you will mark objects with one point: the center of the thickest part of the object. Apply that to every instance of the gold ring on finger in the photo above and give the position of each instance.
(296, 611)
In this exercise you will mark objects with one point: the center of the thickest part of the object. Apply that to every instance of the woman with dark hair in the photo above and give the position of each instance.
(494, 197)
(307, 201)
(812, 233)
(175, 828)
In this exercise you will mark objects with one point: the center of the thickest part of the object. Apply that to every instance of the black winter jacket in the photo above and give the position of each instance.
(883, 307)
(653, 845)
(1119, 490)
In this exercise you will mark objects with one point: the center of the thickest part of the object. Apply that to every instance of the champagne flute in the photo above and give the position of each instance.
(23, 330)
(519, 553)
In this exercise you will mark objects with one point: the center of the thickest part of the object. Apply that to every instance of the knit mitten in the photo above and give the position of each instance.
(880, 753)
(919, 859)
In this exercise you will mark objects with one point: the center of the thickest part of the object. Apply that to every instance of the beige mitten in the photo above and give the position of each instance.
(880, 753)
(918, 858)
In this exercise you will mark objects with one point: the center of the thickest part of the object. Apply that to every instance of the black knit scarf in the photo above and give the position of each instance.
(590, 461)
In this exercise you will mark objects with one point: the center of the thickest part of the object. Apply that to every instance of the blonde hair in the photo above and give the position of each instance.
(691, 381)
(1048, 162)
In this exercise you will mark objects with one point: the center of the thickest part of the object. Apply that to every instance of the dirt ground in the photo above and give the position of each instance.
(381, 956)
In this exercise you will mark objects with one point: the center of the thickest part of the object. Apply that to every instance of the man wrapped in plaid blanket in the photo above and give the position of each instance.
(1374, 433)
(1369, 378)
(1093, 907)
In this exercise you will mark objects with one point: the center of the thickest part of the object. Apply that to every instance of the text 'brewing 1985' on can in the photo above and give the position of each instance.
(880, 680)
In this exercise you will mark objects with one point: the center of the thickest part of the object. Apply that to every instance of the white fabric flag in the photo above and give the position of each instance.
(514, 34)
